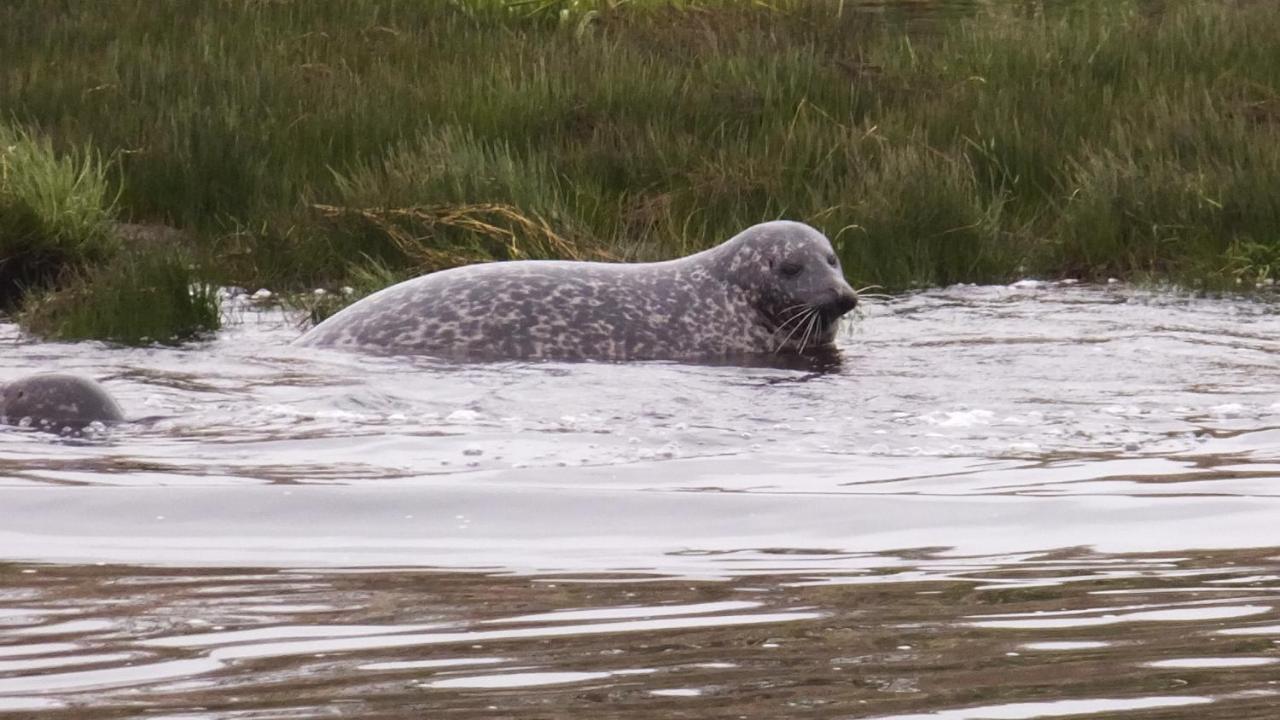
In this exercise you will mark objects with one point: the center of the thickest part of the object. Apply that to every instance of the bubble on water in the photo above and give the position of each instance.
(957, 418)
(462, 416)
(95, 428)
(1228, 410)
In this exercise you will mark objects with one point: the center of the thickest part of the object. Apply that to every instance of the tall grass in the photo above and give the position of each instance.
(136, 299)
(302, 140)
(56, 211)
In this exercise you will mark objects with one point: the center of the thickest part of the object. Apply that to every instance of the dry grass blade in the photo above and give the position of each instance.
(521, 235)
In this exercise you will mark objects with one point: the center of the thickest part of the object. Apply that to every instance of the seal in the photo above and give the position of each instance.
(774, 288)
(57, 402)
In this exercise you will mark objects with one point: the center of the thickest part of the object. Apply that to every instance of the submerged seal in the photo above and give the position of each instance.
(775, 287)
(55, 401)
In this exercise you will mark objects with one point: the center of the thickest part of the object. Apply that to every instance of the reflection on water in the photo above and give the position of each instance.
(1008, 502)
(206, 642)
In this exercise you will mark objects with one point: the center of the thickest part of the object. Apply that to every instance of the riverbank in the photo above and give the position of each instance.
(306, 145)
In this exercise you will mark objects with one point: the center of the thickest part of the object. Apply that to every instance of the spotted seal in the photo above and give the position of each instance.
(57, 401)
(776, 287)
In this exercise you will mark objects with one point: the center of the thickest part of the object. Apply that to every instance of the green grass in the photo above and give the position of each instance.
(61, 254)
(136, 299)
(55, 212)
(304, 141)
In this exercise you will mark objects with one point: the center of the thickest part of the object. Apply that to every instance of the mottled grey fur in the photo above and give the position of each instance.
(54, 401)
(773, 288)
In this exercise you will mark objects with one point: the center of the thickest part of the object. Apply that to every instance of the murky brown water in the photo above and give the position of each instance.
(1037, 501)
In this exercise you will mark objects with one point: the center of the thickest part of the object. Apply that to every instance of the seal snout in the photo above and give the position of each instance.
(846, 300)
(842, 300)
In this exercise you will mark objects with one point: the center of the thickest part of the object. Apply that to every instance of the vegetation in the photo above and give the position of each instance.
(55, 212)
(135, 299)
(306, 144)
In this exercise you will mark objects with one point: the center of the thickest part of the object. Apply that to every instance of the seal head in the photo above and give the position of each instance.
(56, 401)
(793, 278)
(775, 288)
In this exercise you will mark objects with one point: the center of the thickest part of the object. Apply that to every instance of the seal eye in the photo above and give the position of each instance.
(790, 269)
(831, 260)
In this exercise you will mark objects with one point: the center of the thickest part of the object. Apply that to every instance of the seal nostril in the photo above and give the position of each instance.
(846, 302)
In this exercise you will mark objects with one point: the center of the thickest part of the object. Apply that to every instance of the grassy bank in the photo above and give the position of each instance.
(305, 142)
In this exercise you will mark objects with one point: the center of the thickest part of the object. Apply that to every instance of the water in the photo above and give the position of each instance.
(1036, 501)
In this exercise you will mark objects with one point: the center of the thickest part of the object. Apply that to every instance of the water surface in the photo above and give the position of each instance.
(1042, 500)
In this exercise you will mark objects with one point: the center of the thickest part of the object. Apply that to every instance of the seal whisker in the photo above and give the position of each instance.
(804, 307)
(801, 316)
(799, 311)
(809, 327)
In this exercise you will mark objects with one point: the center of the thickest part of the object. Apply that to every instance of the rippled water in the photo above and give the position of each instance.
(1034, 501)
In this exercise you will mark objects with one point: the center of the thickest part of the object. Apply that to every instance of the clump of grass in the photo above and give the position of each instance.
(136, 299)
(1252, 264)
(56, 212)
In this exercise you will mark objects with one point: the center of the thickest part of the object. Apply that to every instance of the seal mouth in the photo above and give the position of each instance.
(829, 323)
(808, 326)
